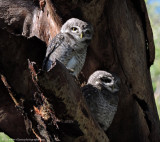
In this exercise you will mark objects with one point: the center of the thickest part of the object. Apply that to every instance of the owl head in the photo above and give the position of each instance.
(106, 80)
(80, 30)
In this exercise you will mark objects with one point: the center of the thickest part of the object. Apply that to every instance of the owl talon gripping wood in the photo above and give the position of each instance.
(70, 46)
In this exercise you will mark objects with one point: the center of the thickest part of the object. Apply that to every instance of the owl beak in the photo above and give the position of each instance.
(81, 35)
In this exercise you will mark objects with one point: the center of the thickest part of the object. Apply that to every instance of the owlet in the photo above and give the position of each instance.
(70, 46)
(101, 94)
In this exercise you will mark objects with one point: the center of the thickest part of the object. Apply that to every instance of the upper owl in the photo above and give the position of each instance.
(70, 46)
(101, 94)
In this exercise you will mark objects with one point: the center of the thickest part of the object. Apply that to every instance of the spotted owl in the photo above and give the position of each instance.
(101, 95)
(69, 46)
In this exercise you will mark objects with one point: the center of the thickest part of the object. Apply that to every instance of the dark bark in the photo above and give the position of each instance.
(28, 97)
(14, 52)
(122, 43)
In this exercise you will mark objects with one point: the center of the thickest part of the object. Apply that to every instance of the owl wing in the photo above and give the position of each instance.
(90, 94)
(55, 43)
(103, 109)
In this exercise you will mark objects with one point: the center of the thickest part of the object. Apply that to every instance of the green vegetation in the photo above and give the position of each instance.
(154, 19)
(5, 138)
(158, 104)
(154, 14)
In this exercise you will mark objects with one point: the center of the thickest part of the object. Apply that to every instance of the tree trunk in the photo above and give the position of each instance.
(122, 43)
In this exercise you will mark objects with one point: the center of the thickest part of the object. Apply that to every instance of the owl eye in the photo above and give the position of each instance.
(106, 80)
(74, 29)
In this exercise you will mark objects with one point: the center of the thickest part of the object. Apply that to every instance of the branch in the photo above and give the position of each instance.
(47, 101)
(64, 94)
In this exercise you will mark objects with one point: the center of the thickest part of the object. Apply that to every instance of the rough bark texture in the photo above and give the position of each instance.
(61, 91)
(122, 43)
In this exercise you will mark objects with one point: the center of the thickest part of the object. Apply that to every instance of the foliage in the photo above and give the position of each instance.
(5, 138)
(158, 104)
(154, 14)
(154, 18)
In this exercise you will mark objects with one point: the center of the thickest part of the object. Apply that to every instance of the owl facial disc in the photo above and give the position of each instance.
(79, 29)
(106, 80)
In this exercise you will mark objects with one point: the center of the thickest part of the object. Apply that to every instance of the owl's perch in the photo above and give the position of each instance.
(67, 102)
(13, 65)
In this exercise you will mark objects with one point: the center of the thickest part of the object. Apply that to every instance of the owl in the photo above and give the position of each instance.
(69, 46)
(101, 95)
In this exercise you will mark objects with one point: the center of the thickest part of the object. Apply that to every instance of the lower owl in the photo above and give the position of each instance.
(101, 94)
(69, 46)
